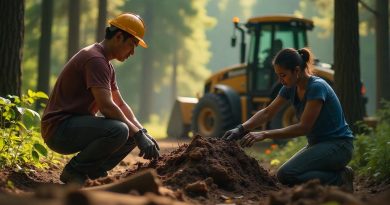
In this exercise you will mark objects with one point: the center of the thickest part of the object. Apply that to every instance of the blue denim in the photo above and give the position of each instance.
(324, 161)
(101, 143)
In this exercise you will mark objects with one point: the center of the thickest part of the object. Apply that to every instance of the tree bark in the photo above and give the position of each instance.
(174, 76)
(147, 77)
(44, 47)
(74, 27)
(346, 60)
(382, 51)
(11, 46)
(101, 22)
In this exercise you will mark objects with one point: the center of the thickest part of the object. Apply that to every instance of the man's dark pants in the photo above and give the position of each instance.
(101, 143)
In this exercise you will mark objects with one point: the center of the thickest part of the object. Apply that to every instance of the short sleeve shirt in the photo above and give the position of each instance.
(331, 122)
(71, 94)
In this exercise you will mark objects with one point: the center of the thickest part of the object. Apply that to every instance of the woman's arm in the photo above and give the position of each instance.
(264, 115)
(304, 126)
(309, 116)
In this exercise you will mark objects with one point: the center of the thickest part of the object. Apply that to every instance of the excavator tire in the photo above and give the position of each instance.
(212, 116)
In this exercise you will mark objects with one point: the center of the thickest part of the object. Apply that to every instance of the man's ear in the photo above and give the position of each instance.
(118, 36)
(297, 69)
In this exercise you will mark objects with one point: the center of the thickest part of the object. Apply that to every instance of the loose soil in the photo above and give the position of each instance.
(210, 171)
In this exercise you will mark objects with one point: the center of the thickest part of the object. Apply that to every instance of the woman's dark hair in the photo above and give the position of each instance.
(289, 58)
(112, 30)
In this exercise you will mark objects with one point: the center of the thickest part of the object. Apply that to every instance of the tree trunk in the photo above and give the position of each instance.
(44, 46)
(74, 27)
(101, 22)
(346, 60)
(147, 77)
(174, 76)
(382, 51)
(11, 50)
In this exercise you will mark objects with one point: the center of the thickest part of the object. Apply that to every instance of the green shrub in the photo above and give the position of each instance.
(372, 150)
(20, 141)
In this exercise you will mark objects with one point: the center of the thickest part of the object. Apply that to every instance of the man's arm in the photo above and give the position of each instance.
(125, 108)
(109, 109)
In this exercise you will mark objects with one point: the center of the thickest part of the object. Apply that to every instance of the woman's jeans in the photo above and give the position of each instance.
(324, 161)
(101, 143)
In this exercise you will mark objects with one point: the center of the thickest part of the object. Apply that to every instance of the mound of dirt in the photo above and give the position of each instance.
(312, 193)
(213, 169)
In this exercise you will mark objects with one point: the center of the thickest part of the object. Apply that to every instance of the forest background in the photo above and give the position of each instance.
(191, 38)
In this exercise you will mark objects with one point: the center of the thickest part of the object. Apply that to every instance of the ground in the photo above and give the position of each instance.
(207, 172)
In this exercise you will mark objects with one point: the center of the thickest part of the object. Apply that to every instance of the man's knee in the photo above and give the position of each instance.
(120, 132)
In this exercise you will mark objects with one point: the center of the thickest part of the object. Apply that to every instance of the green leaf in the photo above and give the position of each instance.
(41, 149)
(30, 93)
(30, 100)
(1, 143)
(35, 155)
(33, 113)
(42, 95)
(21, 110)
(4, 101)
(21, 125)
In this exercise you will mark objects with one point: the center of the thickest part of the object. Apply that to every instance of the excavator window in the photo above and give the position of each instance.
(269, 40)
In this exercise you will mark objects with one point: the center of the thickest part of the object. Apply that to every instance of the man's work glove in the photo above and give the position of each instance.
(148, 149)
(150, 137)
(235, 134)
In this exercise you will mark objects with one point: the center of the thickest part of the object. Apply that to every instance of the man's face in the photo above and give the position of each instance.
(125, 48)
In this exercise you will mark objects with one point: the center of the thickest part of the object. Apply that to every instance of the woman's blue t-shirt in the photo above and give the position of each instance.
(330, 123)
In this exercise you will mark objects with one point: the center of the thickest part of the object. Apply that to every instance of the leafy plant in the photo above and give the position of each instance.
(20, 141)
(372, 150)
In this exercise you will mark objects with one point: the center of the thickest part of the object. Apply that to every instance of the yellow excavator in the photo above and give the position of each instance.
(234, 94)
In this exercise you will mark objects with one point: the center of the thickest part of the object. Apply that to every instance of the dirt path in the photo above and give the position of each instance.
(213, 192)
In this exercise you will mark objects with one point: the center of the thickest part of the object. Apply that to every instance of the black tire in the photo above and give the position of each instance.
(212, 116)
(284, 118)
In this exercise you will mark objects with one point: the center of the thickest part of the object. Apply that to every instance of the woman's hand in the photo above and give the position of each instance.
(251, 138)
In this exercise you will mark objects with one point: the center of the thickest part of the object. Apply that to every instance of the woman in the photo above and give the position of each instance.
(320, 117)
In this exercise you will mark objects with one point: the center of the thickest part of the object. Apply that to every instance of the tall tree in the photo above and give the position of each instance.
(346, 59)
(101, 21)
(147, 69)
(74, 27)
(176, 27)
(44, 46)
(382, 50)
(11, 38)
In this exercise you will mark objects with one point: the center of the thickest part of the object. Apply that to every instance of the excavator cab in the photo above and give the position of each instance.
(269, 35)
(232, 95)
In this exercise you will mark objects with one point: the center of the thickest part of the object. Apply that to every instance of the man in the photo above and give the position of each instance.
(85, 86)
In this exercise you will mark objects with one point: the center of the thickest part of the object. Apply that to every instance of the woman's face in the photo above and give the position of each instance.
(287, 77)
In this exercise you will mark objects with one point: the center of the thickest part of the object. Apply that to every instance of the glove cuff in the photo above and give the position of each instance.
(138, 134)
(241, 129)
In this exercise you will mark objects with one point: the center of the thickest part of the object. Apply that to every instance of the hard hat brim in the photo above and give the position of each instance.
(141, 41)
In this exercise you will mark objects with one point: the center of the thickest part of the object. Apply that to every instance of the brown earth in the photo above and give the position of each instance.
(210, 171)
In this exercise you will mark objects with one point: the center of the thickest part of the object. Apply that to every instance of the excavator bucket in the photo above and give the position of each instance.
(179, 123)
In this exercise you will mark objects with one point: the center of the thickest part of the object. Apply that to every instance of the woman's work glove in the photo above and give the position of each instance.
(235, 134)
(147, 147)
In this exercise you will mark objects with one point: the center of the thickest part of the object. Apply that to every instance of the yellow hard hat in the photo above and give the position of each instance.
(132, 24)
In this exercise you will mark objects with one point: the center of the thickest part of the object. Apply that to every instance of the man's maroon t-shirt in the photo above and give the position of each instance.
(71, 94)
